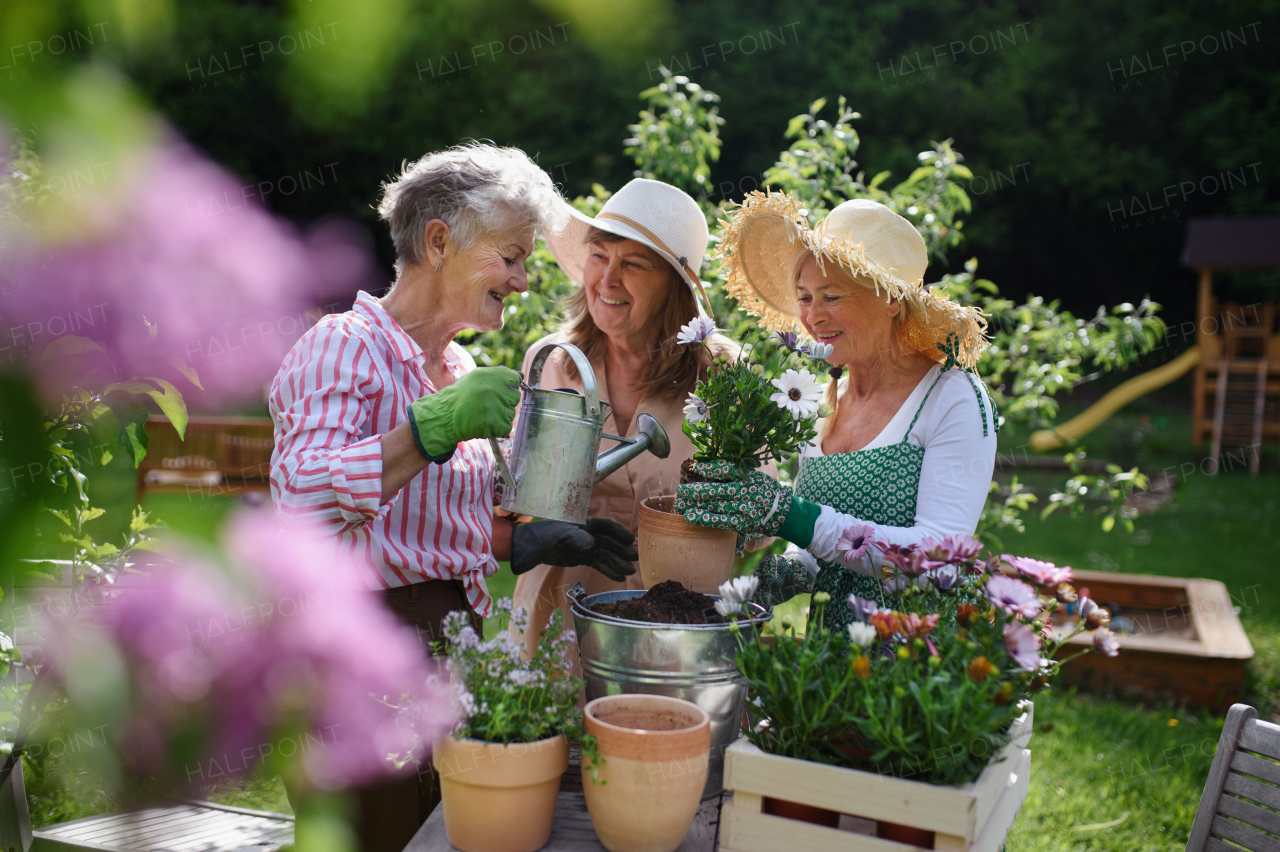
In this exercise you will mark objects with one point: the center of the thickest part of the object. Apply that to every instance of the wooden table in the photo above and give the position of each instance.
(572, 830)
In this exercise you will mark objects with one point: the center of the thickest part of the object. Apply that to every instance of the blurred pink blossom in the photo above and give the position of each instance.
(285, 656)
(172, 265)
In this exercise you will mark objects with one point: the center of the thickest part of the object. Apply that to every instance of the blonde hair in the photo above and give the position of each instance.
(843, 280)
(674, 368)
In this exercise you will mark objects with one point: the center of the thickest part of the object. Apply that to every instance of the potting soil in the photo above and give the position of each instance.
(665, 603)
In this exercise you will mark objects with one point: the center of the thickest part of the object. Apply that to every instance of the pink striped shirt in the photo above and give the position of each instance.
(345, 383)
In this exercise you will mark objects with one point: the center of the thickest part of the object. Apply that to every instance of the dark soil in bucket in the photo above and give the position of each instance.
(665, 603)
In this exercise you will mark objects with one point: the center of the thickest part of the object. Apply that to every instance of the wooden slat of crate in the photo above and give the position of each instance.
(946, 809)
(743, 828)
(182, 827)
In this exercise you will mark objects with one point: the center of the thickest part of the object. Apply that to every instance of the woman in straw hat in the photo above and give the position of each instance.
(637, 263)
(907, 453)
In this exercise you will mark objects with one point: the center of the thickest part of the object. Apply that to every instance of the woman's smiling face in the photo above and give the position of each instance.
(855, 322)
(627, 285)
(482, 276)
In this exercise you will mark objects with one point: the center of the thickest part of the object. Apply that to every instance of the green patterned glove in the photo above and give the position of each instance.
(758, 508)
(781, 579)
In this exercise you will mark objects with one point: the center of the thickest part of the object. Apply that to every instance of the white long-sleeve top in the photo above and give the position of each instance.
(955, 476)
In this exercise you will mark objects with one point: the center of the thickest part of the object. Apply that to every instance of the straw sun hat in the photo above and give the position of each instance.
(869, 241)
(657, 214)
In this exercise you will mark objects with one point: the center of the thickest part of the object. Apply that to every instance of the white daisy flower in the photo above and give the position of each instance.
(726, 607)
(695, 410)
(740, 589)
(698, 330)
(861, 634)
(819, 351)
(798, 392)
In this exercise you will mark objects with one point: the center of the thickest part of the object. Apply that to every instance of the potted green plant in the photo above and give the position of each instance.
(500, 768)
(917, 718)
(740, 416)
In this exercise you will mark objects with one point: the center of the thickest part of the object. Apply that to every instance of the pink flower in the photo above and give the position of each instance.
(1105, 642)
(1023, 646)
(906, 558)
(172, 270)
(225, 666)
(1014, 596)
(854, 541)
(1038, 572)
(952, 549)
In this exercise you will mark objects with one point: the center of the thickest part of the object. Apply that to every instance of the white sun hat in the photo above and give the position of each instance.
(761, 239)
(657, 214)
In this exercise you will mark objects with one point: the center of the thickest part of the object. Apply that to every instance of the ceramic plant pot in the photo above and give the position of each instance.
(655, 751)
(671, 548)
(499, 798)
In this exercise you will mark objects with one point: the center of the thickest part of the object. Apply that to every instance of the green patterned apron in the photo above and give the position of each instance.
(877, 485)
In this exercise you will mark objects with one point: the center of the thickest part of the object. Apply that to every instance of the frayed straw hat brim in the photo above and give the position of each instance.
(758, 248)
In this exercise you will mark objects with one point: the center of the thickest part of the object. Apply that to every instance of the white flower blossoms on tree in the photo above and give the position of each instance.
(695, 410)
(798, 393)
(697, 330)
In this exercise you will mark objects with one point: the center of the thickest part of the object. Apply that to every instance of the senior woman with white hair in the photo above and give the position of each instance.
(380, 418)
(907, 454)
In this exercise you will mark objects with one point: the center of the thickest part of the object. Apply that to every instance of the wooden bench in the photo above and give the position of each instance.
(219, 456)
(176, 826)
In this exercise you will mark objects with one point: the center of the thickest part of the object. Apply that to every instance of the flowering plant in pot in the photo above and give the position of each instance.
(930, 692)
(500, 768)
(743, 414)
(739, 417)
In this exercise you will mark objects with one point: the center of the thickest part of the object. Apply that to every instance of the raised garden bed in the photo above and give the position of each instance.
(1187, 643)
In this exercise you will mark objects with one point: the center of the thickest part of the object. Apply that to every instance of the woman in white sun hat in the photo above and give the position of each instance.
(908, 451)
(637, 264)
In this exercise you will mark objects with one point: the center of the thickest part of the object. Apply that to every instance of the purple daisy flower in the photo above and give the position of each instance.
(1014, 596)
(854, 541)
(787, 340)
(1038, 572)
(1023, 646)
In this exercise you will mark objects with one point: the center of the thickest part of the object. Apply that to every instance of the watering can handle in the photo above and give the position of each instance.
(585, 373)
(502, 464)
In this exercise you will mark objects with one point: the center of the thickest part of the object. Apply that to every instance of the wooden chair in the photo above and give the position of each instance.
(1243, 791)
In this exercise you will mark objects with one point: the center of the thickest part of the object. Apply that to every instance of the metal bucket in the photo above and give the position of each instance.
(694, 662)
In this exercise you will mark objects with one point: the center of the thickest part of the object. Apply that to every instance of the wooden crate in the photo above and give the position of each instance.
(973, 817)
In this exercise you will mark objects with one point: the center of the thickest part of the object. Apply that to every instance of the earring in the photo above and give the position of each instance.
(439, 263)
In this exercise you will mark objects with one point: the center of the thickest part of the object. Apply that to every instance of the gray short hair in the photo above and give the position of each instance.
(474, 189)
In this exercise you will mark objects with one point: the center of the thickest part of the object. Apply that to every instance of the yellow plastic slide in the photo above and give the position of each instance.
(1116, 399)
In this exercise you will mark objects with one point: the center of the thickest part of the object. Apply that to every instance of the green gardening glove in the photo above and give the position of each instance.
(479, 404)
(758, 508)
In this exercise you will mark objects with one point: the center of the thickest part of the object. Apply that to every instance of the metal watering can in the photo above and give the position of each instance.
(555, 460)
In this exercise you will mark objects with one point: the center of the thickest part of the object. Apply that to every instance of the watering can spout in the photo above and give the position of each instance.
(651, 436)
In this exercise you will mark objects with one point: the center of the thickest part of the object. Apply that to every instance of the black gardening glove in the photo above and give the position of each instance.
(605, 545)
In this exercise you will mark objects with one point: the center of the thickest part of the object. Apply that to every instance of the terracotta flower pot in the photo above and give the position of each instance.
(655, 752)
(499, 798)
(671, 548)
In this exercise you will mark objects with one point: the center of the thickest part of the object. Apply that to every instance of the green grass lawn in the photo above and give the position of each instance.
(1107, 774)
